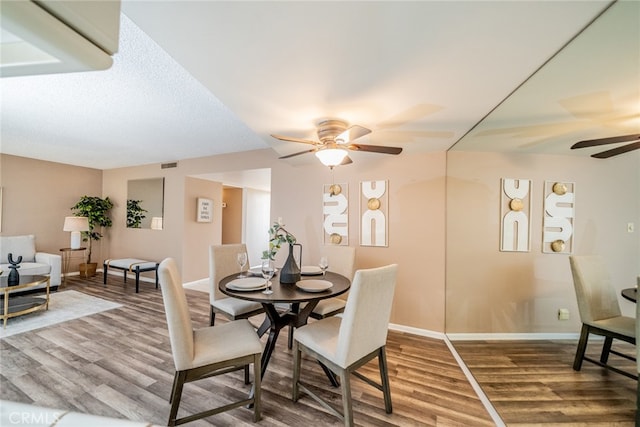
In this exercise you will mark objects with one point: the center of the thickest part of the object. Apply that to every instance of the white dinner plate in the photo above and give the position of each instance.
(246, 284)
(314, 285)
(310, 270)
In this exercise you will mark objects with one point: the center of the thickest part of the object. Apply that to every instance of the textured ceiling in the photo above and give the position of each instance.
(419, 74)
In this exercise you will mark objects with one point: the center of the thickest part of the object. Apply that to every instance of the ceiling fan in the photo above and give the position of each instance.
(336, 139)
(611, 140)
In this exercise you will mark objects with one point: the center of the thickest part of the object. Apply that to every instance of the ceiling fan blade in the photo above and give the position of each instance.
(347, 160)
(292, 139)
(618, 150)
(375, 148)
(604, 141)
(353, 133)
(298, 153)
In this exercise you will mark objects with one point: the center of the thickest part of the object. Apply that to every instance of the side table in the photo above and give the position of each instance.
(66, 260)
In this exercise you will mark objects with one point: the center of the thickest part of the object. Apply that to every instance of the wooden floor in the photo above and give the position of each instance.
(533, 383)
(118, 363)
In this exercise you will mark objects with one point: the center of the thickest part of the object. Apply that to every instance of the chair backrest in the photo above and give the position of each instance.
(341, 259)
(596, 296)
(365, 320)
(638, 346)
(223, 262)
(177, 311)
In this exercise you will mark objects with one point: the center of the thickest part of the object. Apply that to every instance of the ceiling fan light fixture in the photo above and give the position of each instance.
(331, 156)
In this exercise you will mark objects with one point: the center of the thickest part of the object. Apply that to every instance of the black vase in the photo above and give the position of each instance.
(290, 272)
(14, 276)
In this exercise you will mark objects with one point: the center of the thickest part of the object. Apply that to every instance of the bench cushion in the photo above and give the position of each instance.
(131, 264)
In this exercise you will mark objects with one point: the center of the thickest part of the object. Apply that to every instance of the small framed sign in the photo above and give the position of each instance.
(204, 212)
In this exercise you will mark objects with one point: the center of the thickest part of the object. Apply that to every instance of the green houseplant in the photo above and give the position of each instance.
(135, 213)
(96, 209)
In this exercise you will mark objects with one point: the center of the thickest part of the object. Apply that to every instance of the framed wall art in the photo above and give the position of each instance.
(204, 212)
(374, 209)
(515, 214)
(335, 211)
(559, 214)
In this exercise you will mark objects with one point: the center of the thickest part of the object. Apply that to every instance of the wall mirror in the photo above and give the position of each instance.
(145, 203)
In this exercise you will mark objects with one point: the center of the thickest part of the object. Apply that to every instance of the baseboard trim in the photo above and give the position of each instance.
(417, 331)
(513, 336)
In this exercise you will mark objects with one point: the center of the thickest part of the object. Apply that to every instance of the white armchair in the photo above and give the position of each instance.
(33, 262)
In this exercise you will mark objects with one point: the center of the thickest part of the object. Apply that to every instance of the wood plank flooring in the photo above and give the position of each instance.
(118, 363)
(533, 383)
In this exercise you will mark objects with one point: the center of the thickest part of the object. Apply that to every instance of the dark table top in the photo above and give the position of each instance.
(630, 293)
(289, 293)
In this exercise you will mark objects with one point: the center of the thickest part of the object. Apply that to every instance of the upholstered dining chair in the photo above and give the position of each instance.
(222, 263)
(341, 260)
(205, 352)
(344, 344)
(599, 311)
(638, 358)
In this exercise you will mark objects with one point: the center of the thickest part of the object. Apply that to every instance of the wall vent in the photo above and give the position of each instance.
(169, 165)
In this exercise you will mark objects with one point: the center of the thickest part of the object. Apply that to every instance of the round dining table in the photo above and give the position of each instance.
(630, 294)
(288, 293)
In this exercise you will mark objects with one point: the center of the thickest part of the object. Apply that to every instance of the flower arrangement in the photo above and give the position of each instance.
(277, 236)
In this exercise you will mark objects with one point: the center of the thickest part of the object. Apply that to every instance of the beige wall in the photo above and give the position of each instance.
(37, 195)
(489, 291)
(232, 215)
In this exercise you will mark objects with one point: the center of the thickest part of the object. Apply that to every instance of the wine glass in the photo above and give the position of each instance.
(323, 264)
(267, 272)
(242, 261)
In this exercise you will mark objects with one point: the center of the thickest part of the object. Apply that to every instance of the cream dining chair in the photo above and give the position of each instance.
(346, 343)
(342, 261)
(205, 352)
(222, 263)
(599, 311)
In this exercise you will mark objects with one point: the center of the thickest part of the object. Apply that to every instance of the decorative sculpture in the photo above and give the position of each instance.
(14, 276)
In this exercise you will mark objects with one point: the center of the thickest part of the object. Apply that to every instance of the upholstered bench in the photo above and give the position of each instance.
(131, 265)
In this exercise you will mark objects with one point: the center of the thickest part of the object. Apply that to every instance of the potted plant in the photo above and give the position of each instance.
(290, 272)
(96, 210)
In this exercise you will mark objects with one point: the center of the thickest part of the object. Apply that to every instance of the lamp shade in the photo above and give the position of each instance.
(331, 156)
(75, 224)
(156, 223)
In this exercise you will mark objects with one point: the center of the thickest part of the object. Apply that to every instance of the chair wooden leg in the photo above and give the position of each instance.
(212, 316)
(176, 394)
(173, 387)
(582, 347)
(291, 329)
(246, 375)
(606, 348)
(384, 376)
(345, 386)
(257, 384)
(297, 360)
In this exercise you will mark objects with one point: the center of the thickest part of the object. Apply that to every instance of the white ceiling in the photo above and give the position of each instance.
(419, 74)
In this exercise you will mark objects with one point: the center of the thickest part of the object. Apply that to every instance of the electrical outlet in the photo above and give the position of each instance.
(630, 227)
(563, 314)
